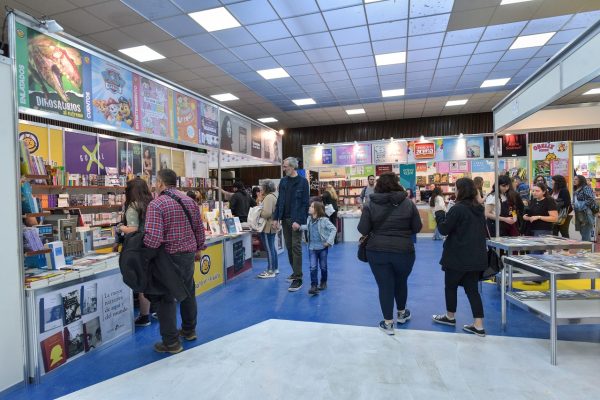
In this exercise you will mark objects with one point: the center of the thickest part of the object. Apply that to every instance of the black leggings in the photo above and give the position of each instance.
(470, 281)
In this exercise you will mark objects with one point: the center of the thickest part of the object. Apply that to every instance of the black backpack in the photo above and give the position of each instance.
(134, 262)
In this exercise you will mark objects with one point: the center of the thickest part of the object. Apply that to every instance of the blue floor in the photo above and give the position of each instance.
(351, 299)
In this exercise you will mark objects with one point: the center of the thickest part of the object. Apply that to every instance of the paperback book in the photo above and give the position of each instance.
(92, 334)
(74, 339)
(53, 351)
(51, 312)
(71, 306)
(90, 298)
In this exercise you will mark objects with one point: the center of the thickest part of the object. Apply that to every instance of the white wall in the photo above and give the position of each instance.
(12, 335)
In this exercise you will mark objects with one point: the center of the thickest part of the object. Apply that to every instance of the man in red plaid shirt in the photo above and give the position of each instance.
(167, 224)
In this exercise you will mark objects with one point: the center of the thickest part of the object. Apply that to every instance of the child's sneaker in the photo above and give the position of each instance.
(443, 319)
(387, 328)
(473, 330)
(142, 320)
(266, 274)
(313, 290)
(403, 316)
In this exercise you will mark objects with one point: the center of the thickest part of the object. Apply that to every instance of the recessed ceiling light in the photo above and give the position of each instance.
(592, 91)
(355, 111)
(526, 41)
(142, 53)
(371, 1)
(505, 2)
(224, 97)
(304, 102)
(267, 120)
(215, 19)
(392, 93)
(390, 58)
(495, 82)
(460, 102)
(273, 73)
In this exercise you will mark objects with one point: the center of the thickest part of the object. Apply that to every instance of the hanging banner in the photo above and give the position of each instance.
(135, 151)
(353, 154)
(234, 132)
(474, 147)
(178, 162)
(196, 164)
(551, 158)
(390, 152)
(163, 156)
(186, 118)
(332, 173)
(381, 169)
(81, 153)
(360, 171)
(107, 154)
(256, 142)
(112, 94)
(408, 176)
(424, 150)
(209, 125)
(455, 149)
(482, 166)
(124, 157)
(153, 105)
(514, 146)
(271, 145)
(439, 149)
(51, 75)
(148, 160)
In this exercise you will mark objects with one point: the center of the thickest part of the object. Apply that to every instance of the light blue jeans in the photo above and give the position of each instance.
(268, 241)
(437, 235)
(318, 260)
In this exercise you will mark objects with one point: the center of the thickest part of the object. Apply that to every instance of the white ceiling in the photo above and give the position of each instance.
(448, 55)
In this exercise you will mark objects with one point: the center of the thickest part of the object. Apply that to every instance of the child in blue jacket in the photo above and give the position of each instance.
(320, 236)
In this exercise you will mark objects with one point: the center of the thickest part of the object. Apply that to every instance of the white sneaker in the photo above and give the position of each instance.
(276, 271)
(266, 274)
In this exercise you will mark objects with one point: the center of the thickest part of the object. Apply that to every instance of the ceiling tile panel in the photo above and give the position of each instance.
(448, 72)
(422, 55)
(345, 17)
(583, 20)
(391, 69)
(419, 75)
(249, 51)
(153, 9)
(324, 54)
(146, 33)
(486, 58)
(359, 62)
(458, 50)
(494, 45)
(425, 41)
(281, 46)
(389, 46)
(308, 79)
(503, 31)
(421, 65)
(463, 36)
(355, 50)
(383, 11)
(564, 37)
(234, 37)
(315, 41)
(549, 50)
(189, 6)
(218, 57)
(288, 60)
(202, 43)
(394, 79)
(474, 69)
(355, 35)
(388, 30)
(287, 9)
(306, 24)
(520, 54)
(362, 73)
(235, 68)
(86, 23)
(269, 30)
(262, 63)
(299, 70)
(171, 48)
(453, 62)
(334, 76)
(510, 65)
(252, 12)
(332, 4)
(432, 24)
(367, 81)
(179, 25)
(422, 8)
(114, 12)
(329, 66)
(544, 25)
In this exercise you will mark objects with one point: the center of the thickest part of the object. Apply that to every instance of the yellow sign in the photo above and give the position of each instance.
(208, 272)
(36, 139)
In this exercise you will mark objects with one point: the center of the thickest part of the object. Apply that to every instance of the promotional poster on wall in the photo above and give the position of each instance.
(112, 94)
(163, 155)
(209, 125)
(81, 153)
(148, 160)
(186, 118)
(107, 153)
(153, 106)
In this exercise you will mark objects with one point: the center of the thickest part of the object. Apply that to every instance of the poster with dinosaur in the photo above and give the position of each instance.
(112, 94)
(52, 76)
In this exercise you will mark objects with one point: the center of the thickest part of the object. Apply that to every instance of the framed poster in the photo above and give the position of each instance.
(112, 94)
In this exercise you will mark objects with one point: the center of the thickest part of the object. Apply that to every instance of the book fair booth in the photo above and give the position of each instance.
(78, 140)
(421, 164)
(561, 95)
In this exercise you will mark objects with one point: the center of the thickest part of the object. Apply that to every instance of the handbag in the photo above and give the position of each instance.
(562, 216)
(362, 242)
(494, 263)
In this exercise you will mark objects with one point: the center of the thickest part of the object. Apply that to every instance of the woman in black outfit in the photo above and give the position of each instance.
(465, 254)
(390, 220)
(561, 195)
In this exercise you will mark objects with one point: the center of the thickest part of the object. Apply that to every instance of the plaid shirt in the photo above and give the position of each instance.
(166, 223)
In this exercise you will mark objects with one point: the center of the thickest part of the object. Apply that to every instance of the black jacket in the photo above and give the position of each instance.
(240, 203)
(391, 220)
(465, 247)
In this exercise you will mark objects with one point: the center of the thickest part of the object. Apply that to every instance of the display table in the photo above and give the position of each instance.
(238, 254)
(554, 307)
(208, 271)
(70, 316)
(511, 244)
(349, 221)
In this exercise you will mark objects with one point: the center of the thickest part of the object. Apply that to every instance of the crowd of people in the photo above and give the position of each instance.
(171, 225)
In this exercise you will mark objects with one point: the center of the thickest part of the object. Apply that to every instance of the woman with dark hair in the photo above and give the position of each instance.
(137, 198)
(390, 220)
(585, 207)
(465, 254)
(506, 217)
(226, 134)
(328, 199)
(478, 181)
(437, 203)
(540, 179)
(542, 212)
(561, 195)
(516, 209)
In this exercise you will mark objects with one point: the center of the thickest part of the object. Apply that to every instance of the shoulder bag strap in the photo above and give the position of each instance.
(185, 210)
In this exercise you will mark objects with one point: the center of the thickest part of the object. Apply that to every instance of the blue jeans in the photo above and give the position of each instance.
(586, 232)
(318, 258)
(391, 271)
(268, 241)
(539, 233)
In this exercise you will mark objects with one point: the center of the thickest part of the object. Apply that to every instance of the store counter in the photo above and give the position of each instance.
(72, 312)
(238, 254)
(349, 222)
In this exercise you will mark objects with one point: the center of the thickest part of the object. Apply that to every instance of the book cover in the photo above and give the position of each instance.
(92, 334)
(51, 312)
(215, 228)
(57, 255)
(90, 298)
(71, 306)
(74, 339)
(231, 229)
(53, 351)
(238, 224)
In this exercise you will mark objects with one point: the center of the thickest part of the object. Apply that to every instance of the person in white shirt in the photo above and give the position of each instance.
(438, 204)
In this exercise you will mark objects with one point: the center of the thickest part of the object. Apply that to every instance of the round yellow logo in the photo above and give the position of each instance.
(30, 140)
(205, 264)
(20, 33)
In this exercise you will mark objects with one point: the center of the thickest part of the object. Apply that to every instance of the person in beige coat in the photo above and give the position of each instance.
(268, 199)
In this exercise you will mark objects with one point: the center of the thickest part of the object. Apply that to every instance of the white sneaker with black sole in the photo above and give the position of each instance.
(295, 286)
(386, 328)
(404, 316)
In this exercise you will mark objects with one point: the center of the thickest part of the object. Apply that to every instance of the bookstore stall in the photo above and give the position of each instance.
(79, 139)
(421, 163)
(561, 95)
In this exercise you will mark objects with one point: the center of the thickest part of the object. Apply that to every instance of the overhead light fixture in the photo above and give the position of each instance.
(355, 111)
(281, 132)
(495, 82)
(224, 97)
(215, 19)
(273, 73)
(460, 135)
(267, 120)
(392, 93)
(422, 138)
(304, 102)
(390, 58)
(142, 53)
(50, 25)
(461, 102)
(505, 2)
(524, 42)
(371, 1)
(592, 91)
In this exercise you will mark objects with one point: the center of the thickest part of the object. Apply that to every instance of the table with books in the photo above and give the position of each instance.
(74, 310)
(557, 307)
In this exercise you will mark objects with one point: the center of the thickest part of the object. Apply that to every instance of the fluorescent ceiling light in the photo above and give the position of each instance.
(304, 102)
(495, 82)
(460, 102)
(392, 93)
(592, 91)
(390, 58)
(355, 111)
(215, 19)
(505, 2)
(526, 41)
(224, 97)
(273, 73)
(266, 120)
(371, 1)
(142, 53)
